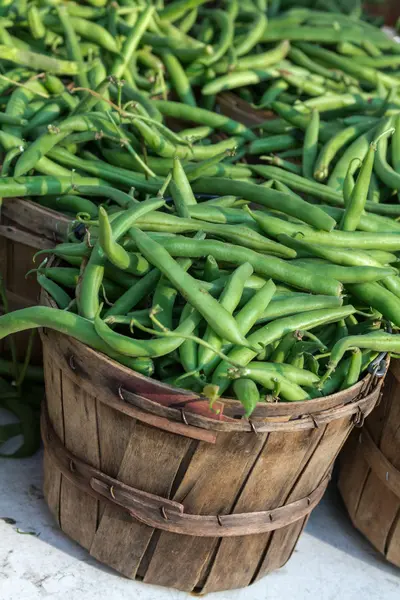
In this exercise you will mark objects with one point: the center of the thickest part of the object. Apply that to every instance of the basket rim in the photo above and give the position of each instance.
(169, 396)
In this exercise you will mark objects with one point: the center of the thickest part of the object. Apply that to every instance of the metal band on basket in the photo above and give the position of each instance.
(165, 514)
(379, 464)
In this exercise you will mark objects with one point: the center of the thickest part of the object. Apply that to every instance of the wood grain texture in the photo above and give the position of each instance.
(281, 545)
(373, 507)
(52, 476)
(150, 462)
(209, 486)
(80, 425)
(244, 471)
(282, 458)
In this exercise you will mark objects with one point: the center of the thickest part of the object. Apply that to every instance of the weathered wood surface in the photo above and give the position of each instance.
(370, 472)
(241, 472)
(25, 228)
(231, 105)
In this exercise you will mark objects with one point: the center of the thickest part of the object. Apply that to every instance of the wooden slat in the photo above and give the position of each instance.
(378, 506)
(24, 237)
(52, 476)
(267, 487)
(80, 425)
(150, 463)
(209, 487)
(41, 221)
(282, 542)
(114, 431)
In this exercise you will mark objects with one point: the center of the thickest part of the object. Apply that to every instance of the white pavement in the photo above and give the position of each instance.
(332, 561)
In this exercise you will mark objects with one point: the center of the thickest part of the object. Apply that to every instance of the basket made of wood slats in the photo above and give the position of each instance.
(158, 486)
(25, 228)
(369, 477)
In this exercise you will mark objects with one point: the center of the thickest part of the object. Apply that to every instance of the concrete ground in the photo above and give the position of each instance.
(332, 561)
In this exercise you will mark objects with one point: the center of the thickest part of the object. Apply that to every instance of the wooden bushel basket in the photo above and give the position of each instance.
(369, 476)
(25, 228)
(164, 490)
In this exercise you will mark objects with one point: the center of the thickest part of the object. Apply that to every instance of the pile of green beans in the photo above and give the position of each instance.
(169, 288)
(188, 258)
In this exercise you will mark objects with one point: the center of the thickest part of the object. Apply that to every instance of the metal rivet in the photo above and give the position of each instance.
(72, 466)
(220, 523)
(271, 518)
(253, 427)
(112, 492)
(308, 501)
(387, 476)
(71, 362)
(120, 394)
(184, 419)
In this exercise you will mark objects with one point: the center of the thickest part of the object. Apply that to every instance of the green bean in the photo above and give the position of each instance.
(249, 40)
(99, 168)
(229, 300)
(335, 144)
(203, 117)
(43, 144)
(265, 59)
(178, 8)
(376, 340)
(66, 323)
(320, 191)
(90, 282)
(347, 65)
(274, 331)
(310, 149)
(274, 143)
(396, 144)
(131, 43)
(187, 22)
(293, 374)
(383, 300)
(283, 164)
(284, 306)
(339, 239)
(163, 147)
(265, 266)
(383, 170)
(247, 317)
(38, 62)
(225, 23)
(103, 191)
(240, 234)
(298, 119)
(61, 298)
(73, 48)
(353, 374)
(216, 316)
(247, 393)
(260, 195)
(86, 29)
(178, 78)
(180, 190)
(235, 80)
(211, 269)
(134, 294)
(285, 346)
(301, 59)
(346, 274)
(358, 197)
